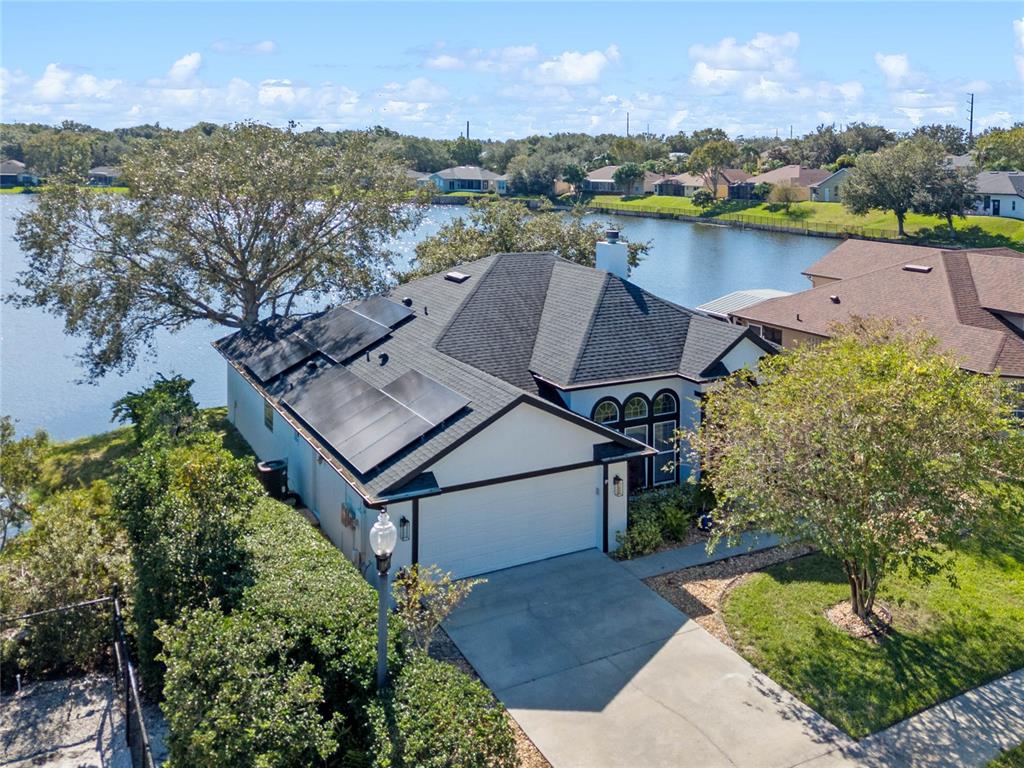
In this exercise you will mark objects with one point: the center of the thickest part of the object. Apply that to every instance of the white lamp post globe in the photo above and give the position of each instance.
(383, 536)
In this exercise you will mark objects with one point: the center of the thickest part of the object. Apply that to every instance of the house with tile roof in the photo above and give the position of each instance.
(685, 184)
(503, 412)
(1000, 193)
(972, 301)
(796, 176)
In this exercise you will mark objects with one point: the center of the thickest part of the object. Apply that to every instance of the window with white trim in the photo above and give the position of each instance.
(607, 412)
(635, 408)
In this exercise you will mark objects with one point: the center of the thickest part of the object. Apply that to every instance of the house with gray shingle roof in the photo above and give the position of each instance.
(13, 173)
(469, 178)
(1000, 193)
(503, 412)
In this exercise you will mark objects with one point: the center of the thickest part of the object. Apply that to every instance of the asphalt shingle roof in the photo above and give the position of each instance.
(516, 316)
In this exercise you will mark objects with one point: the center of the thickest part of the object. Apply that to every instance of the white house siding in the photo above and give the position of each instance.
(744, 355)
(1010, 206)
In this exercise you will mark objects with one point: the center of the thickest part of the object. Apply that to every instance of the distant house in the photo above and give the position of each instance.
(723, 307)
(960, 161)
(104, 176)
(795, 175)
(1000, 193)
(970, 300)
(827, 190)
(417, 177)
(685, 184)
(602, 182)
(469, 178)
(13, 173)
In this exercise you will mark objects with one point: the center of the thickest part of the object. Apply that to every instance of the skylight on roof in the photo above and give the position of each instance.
(456, 277)
(923, 269)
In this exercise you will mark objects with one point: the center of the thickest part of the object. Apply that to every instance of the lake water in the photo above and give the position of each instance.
(688, 264)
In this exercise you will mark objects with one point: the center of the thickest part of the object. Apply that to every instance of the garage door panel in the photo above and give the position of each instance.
(485, 529)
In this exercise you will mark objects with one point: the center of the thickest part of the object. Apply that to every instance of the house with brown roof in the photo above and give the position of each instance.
(601, 181)
(972, 301)
(685, 184)
(793, 175)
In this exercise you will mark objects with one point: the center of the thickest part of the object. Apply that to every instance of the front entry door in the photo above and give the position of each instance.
(995, 207)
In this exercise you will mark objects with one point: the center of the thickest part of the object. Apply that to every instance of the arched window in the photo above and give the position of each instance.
(606, 412)
(664, 404)
(635, 408)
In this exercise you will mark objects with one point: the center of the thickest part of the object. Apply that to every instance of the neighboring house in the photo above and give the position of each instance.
(419, 178)
(469, 178)
(13, 173)
(795, 175)
(602, 182)
(827, 190)
(502, 413)
(972, 301)
(1000, 193)
(960, 161)
(685, 184)
(104, 176)
(722, 307)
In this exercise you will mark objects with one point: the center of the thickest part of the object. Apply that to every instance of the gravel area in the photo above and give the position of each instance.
(443, 648)
(700, 591)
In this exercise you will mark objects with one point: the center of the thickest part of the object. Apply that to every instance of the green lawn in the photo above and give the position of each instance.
(80, 462)
(947, 640)
(977, 231)
(1012, 759)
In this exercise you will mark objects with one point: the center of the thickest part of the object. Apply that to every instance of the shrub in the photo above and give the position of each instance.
(185, 509)
(424, 597)
(21, 463)
(164, 409)
(235, 695)
(762, 190)
(660, 515)
(435, 716)
(75, 551)
(703, 198)
(642, 536)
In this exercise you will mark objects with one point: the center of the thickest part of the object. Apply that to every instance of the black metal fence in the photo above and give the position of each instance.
(125, 677)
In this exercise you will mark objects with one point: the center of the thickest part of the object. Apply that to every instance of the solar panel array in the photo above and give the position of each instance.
(340, 333)
(367, 425)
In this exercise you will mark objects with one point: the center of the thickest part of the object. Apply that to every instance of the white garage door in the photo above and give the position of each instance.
(498, 526)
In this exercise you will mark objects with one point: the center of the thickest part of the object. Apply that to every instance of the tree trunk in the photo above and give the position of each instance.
(863, 587)
(952, 230)
(900, 216)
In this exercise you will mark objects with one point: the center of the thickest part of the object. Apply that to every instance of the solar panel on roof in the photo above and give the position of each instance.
(430, 399)
(278, 356)
(341, 333)
(382, 310)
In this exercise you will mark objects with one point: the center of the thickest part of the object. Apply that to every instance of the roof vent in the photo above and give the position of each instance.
(611, 235)
(457, 277)
(407, 300)
(834, 299)
(917, 268)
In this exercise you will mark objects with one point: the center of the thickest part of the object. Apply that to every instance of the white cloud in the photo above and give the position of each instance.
(706, 76)
(417, 89)
(895, 67)
(444, 61)
(274, 92)
(678, 118)
(53, 85)
(574, 68)
(262, 47)
(11, 79)
(1018, 32)
(763, 52)
(1000, 119)
(185, 68)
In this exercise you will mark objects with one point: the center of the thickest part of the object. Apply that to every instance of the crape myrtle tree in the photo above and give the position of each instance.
(224, 228)
(873, 446)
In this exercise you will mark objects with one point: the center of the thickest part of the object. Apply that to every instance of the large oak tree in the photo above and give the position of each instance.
(224, 227)
(873, 446)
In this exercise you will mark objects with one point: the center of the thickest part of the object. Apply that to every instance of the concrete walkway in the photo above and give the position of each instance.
(601, 672)
(696, 554)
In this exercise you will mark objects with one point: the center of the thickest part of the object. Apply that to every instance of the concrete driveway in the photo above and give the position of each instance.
(600, 671)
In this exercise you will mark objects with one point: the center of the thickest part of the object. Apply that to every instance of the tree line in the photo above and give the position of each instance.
(532, 163)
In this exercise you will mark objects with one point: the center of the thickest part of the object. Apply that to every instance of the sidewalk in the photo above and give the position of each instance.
(695, 554)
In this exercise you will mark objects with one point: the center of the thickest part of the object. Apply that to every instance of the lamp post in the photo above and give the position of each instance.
(383, 536)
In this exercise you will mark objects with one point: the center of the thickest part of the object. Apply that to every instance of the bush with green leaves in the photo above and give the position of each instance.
(703, 198)
(185, 509)
(21, 461)
(435, 717)
(164, 409)
(424, 597)
(662, 515)
(75, 551)
(283, 677)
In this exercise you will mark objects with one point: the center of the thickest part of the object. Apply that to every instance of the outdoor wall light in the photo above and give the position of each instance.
(617, 484)
(403, 528)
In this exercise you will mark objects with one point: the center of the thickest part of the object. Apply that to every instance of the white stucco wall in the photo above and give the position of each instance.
(1010, 206)
(743, 355)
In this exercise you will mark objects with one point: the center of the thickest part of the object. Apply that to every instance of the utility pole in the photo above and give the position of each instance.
(467, 130)
(970, 124)
(627, 125)
(791, 131)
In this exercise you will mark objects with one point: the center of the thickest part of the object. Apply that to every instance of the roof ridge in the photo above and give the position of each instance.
(590, 328)
(465, 301)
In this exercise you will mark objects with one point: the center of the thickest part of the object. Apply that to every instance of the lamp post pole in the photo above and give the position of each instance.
(383, 536)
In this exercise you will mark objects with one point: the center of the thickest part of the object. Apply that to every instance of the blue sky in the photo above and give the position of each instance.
(513, 69)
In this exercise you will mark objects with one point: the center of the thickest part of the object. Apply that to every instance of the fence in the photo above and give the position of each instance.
(125, 677)
(755, 221)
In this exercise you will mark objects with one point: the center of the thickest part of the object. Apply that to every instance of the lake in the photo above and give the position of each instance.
(39, 376)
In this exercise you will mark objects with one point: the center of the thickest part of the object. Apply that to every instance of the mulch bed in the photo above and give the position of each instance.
(876, 629)
(444, 649)
(700, 591)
